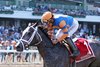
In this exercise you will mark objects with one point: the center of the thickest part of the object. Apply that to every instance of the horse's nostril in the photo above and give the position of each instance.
(19, 48)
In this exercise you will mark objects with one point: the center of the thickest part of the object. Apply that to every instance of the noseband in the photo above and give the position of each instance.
(31, 38)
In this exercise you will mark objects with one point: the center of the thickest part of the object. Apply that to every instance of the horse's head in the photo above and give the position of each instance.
(29, 36)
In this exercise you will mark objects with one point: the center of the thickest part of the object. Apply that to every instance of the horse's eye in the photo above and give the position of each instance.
(28, 32)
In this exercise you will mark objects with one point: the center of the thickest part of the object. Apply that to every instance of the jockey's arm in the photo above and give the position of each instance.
(64, 28)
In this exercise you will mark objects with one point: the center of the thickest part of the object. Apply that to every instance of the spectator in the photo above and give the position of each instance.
(3, 47)
(9, 56)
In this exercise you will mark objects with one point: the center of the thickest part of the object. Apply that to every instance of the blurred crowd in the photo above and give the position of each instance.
(39, 9)
(9, 36)
(70, 10)
(84, 32)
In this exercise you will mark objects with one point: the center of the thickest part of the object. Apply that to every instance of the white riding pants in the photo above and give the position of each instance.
(71, 30)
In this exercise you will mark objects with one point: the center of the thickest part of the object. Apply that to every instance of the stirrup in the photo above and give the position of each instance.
(74, 55)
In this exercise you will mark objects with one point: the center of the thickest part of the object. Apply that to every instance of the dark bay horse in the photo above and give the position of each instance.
(54, 55)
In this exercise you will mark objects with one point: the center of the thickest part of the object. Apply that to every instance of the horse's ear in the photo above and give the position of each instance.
(29, 24)
(34, 24)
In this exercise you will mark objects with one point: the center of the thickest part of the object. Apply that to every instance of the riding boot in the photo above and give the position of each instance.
(75, 51)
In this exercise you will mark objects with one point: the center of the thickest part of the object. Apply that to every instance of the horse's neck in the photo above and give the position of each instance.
(52, 53)
(45, 44)
(47, 49)
(45, 37)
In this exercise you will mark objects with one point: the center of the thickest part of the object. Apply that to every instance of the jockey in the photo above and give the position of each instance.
(67, 26)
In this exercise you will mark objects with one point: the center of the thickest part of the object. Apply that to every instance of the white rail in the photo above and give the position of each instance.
(14, 51)
(15, 57)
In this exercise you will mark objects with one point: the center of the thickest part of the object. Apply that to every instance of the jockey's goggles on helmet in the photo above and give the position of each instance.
(45, 23)
(48, 21)
(47, 17)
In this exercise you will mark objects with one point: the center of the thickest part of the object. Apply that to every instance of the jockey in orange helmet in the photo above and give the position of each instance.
(67, 26)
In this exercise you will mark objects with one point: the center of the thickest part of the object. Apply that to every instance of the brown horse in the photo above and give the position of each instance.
(54, 55)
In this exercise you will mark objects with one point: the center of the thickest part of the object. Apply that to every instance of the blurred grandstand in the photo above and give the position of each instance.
(16, 14)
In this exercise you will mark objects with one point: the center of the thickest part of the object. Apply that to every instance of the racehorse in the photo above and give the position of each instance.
(54, 55)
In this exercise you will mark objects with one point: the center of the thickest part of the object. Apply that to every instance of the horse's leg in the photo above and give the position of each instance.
(73, 63)
(93, 64)
(44, 65)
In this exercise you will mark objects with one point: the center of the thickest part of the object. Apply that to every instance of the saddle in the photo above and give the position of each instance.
(85, 49)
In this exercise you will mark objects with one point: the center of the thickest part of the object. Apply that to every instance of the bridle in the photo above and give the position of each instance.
(31, 38)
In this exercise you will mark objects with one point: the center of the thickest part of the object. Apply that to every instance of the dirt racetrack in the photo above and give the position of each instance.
(21, 65)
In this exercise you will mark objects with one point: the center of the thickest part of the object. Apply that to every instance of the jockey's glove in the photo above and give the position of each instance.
(50, 33)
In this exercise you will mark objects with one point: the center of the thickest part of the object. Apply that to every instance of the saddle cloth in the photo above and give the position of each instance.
(85, 49)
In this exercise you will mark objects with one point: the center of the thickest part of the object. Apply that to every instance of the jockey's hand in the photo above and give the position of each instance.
(50, 33)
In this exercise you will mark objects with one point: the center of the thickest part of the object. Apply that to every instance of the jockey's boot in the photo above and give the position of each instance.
(75, 51)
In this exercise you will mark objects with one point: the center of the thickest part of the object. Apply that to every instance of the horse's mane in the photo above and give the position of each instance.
(46, 38)
(44, 31)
